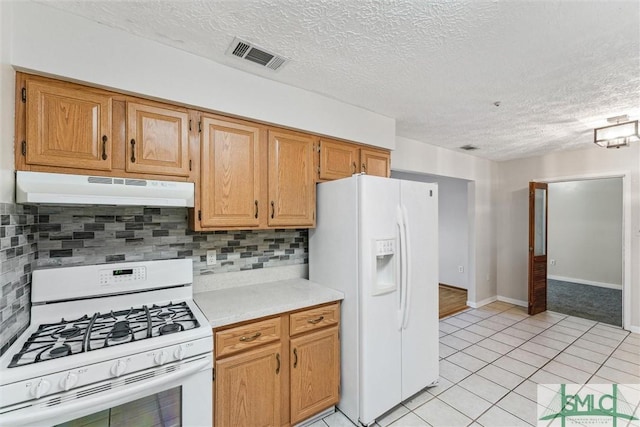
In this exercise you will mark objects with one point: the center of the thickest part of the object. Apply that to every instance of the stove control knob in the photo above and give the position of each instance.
(41, 388)
(179, 352)
(118, 368)
(69, 381)
(160, 358)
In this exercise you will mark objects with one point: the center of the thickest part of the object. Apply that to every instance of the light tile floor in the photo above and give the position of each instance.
(493, 357)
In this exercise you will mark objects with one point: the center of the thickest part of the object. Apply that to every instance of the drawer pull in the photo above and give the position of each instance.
(251, 338)
(316, 320)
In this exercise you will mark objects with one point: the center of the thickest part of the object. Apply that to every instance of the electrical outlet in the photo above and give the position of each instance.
(460, 269)
(552, 262)
(211, 257)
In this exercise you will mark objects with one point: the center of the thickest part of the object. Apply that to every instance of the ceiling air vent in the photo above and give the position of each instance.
(251, 52)
(468, 147)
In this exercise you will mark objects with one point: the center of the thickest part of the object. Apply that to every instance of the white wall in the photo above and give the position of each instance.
(415, 156)
(52, 42)
(453, 227)
(585, 231)
(7, 105)
(512, 215)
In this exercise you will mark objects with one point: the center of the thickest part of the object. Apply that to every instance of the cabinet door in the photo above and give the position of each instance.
(67, 126)
(247, 388)
(292, 191)
(157, 140)
(337, 159)
(315, 373)
(375, 162)
(230, 174)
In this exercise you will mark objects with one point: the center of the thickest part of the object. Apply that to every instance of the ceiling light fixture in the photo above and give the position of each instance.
(620, 134)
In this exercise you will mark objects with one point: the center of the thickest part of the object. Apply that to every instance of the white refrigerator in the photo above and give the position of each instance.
(376, 240)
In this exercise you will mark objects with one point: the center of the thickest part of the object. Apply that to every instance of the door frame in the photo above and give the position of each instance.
(626, 230)
(534, 305)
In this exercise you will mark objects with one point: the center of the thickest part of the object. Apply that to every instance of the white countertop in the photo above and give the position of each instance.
(226, 306)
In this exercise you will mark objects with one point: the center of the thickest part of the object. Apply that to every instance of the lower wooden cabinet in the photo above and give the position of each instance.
(247, 388)
(277, 371)
(315, 373)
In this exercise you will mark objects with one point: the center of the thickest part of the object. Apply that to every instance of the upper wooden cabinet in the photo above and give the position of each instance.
(158, 139)
(341, 159)
(375, 162)
(292, 192)
(66, 126)
(338, 159)
(231, 174)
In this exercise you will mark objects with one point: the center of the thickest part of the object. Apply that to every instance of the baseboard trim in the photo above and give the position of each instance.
(634, 329)
(458, 288)
(513, 301)
(585, 282)
(481, 303)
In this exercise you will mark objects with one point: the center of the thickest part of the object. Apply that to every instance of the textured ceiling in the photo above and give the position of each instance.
(558, 68)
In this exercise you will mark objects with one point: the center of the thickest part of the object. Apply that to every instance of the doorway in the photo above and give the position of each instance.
(584, 272)
(455, 225)
(581, 232)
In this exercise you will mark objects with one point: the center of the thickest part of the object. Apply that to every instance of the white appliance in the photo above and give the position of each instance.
(123, 342)
(376, 240)
(57, 188)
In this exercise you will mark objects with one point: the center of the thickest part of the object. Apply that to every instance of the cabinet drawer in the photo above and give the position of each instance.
(314, 318)
(243, 337)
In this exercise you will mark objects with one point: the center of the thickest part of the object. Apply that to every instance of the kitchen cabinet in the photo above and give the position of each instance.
(247, 388)
(341, 159)
(231, 174)
(315, 366)
(292, 191)
(375, 162)
(279, 370)
(158, 138)
(66, 126)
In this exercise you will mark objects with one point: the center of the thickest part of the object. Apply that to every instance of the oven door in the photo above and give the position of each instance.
(177, 394)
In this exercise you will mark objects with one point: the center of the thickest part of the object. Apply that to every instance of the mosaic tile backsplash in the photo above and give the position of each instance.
(98, 235)
(18, 254)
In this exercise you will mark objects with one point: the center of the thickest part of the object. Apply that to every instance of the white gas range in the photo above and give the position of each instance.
(124, 343)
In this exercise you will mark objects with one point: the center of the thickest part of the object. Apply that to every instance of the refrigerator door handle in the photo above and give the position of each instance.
(407, 256)
(403, 267)
(401, 262)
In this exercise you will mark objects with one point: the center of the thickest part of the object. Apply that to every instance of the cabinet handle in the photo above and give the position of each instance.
(256, 214)
(104, 147)
(133, 150)
(364, 168)
(251, 338)
(278, 360)
(354, 167)
(316, 320)
(273, 209)
(295, 361)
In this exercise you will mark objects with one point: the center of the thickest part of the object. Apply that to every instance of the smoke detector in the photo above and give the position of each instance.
(249, 51)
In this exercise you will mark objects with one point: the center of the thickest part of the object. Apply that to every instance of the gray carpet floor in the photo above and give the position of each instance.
(589, 302)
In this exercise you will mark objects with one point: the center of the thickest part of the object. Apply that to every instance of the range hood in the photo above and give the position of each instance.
(63, 189)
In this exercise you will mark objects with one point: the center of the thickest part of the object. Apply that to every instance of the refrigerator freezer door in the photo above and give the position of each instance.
(380, 337)
(420, 329)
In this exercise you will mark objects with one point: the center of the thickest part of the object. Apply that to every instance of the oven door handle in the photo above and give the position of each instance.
(33, 414)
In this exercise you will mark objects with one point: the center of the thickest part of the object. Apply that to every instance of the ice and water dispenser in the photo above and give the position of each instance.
(384, 279)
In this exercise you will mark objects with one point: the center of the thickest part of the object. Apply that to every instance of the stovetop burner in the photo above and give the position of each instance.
(52, 341)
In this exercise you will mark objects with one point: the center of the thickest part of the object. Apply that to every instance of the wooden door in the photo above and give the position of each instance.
(292, 191)
(538, 196)
(314, 373)
(157, 140)
(247, 388)
(231, 167)
(374, 162)
(337, 159)
(67, 126)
